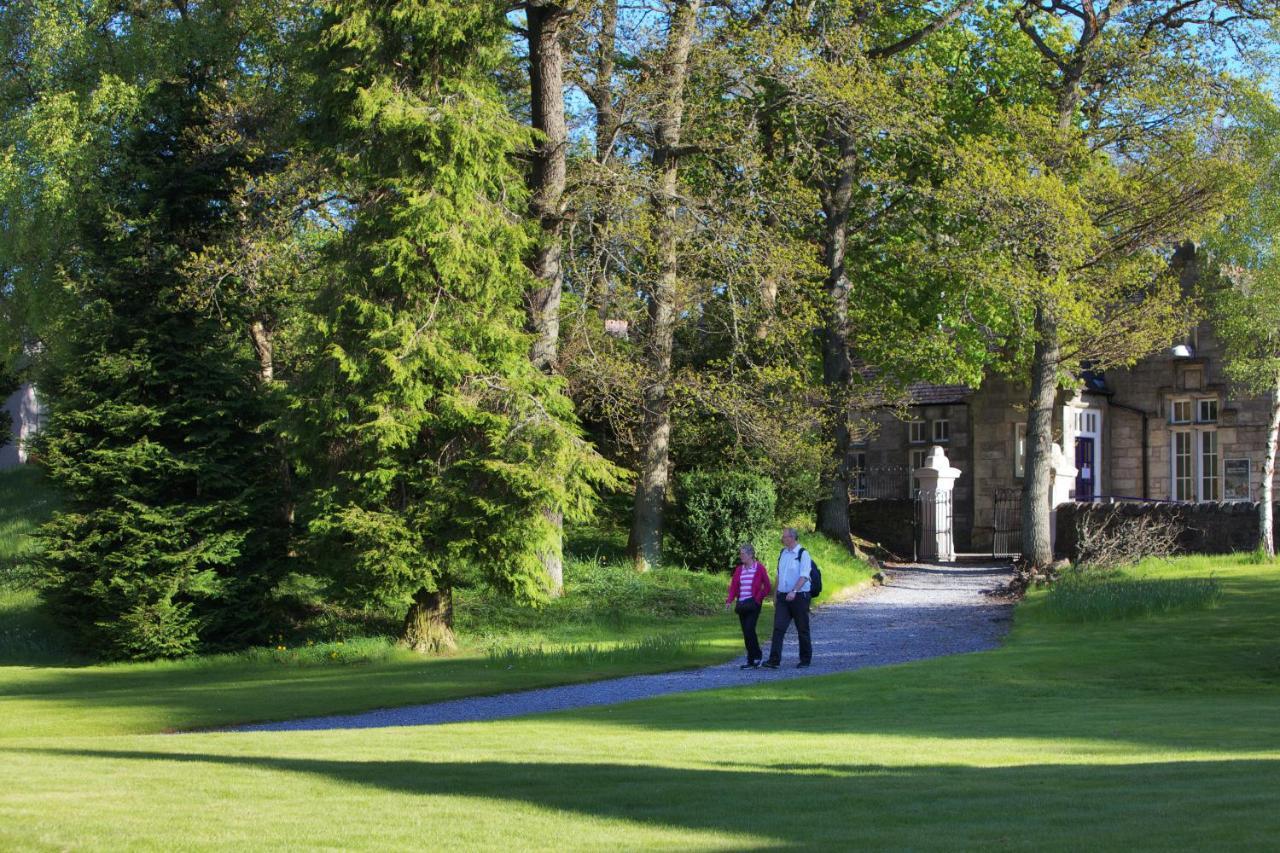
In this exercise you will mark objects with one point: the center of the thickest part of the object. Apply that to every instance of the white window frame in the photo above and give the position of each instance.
(1182, 487)
(923, 430)
(1088, 424)
(1173, 410)
(1204, 479)
(1210, 475)
(1201, 404)
(941, 431)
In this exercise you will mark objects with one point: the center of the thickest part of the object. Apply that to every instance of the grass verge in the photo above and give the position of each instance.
(1084, 597)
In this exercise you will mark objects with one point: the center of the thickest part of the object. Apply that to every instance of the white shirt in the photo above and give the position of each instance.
(792, 565)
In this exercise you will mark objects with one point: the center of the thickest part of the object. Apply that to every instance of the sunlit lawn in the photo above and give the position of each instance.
(1153, 733)
(52, 699)
(608, 624)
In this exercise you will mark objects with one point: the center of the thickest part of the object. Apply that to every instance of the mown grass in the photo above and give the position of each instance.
(1158, 732)
(611, 622)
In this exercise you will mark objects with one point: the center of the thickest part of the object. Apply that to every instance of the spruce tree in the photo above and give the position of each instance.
(435, 446)
(165, 543)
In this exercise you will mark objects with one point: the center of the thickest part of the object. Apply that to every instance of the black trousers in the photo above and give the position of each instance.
(784, 613)
(749, 614)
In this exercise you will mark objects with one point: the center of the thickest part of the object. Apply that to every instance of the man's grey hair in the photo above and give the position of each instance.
(748, 547)
(794, 533)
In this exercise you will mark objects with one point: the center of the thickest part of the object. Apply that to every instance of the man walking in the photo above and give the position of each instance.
(792, 603)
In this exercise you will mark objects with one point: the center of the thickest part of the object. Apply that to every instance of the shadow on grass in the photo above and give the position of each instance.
(1082, 806)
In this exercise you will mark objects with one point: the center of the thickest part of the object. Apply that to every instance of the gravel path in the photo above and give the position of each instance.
(922, 611)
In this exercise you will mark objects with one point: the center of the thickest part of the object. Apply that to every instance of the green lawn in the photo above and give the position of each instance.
(1150, 733)
(610, 623)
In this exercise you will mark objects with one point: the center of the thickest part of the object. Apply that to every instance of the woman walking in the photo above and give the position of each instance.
(749, 588)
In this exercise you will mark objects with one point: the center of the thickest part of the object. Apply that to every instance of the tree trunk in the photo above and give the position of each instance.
(546, 185)
(602, 98)
(651, 489)
(428, 626)
(768, 288)
(1266, 498)
(547, 177)
(837, 368)
(264, 348)
(1037, 542)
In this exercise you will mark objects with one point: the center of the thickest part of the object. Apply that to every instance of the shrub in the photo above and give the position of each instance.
(719, 510)
(1108, 541)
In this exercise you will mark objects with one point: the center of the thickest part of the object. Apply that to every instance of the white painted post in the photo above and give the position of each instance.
(937, 481)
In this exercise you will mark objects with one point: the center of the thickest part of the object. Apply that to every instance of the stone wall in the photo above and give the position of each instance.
(885, 522)
(1207, 528)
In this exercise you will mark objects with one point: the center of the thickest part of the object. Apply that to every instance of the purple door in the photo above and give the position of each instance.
(1085, 468)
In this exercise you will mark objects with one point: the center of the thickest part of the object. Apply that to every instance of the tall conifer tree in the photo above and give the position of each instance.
(437, 446)
(155, 429)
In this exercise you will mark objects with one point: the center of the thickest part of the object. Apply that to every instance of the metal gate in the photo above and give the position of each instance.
(1006, 539)
(933, 521)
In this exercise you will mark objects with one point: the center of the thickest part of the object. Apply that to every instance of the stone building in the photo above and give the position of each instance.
(1171, 428)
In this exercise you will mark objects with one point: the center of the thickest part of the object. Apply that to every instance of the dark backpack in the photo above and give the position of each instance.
(815, 576)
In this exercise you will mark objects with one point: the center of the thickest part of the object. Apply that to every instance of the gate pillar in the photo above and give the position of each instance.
(1061, 483)
(937, 481)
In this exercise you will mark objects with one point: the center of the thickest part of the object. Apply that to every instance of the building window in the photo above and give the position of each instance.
(1210, 471)
(942, 430)
(1207, 411)
(1180, 412)
(1184, 479)
(1197, 465)
(1019, 449)
(858, 475)
(919, 434)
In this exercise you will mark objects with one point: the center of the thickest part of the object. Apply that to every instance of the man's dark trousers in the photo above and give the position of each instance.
(748, 614)
(784, 613)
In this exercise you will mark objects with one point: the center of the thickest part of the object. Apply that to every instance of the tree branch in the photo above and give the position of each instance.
(921, 34)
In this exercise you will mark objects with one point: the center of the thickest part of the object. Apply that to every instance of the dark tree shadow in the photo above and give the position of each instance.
(1154, 805)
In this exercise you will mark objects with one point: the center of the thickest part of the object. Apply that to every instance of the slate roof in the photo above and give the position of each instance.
(927, 394)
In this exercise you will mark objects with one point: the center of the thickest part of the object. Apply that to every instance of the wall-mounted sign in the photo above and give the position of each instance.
(1236, 484)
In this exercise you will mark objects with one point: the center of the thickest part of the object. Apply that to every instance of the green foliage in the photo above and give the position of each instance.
(26, 502)
(27, 634)
(438, 453)
(719, 510)
(1244, 297)
(9, 383)
(168, 536)
(1090, 596)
